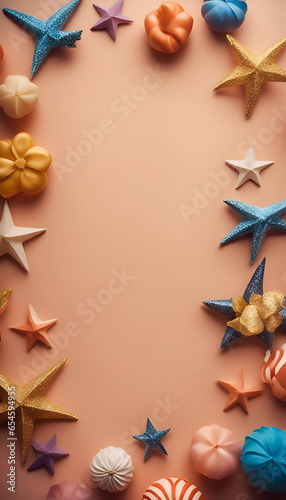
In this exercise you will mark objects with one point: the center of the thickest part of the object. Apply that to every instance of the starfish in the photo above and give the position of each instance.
(46, 454)
(253, 70)
(4, 299)
(12, 237)
(30, 404)
(152, 439)
(257, 221)
(249, 168)
(225, 307)
(238, 394)
(110, 18)
(35, 329)
(48, 33)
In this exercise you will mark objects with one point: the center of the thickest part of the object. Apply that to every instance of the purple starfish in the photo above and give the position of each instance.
(110, 18)
(46, 454)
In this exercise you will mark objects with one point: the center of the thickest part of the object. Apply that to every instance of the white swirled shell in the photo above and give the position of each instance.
(111, 469)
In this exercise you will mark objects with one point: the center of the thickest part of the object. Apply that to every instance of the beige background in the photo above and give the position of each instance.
(146, 197)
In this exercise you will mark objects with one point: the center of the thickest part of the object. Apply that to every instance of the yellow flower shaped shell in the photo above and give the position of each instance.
(263, 311)
(23, 166)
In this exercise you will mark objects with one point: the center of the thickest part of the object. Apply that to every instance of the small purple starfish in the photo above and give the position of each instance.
(46, 454)
(110, 18)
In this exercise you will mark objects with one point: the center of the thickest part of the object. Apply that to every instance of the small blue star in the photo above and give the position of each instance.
(225, 307)
(257, 221)
(48, 33)
(152, 439)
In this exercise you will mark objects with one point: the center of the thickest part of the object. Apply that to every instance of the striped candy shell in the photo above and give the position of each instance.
(170, 488)
(274, 372)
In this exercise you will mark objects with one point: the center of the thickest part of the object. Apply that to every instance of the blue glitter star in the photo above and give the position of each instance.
(48, 33)
(152, 439)
(225, 307)
(257, 221)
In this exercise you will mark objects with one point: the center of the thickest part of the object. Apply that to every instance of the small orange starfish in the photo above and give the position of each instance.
(237, 394)
(35, 329)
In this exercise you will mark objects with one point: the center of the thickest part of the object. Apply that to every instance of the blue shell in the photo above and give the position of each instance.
(224, 15)
(263, 459)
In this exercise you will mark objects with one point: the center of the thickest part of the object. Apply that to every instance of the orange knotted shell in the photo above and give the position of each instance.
(1, 53)
(168, 27)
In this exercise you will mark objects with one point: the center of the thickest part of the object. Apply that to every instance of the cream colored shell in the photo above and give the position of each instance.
(111, 469)
(18, 96)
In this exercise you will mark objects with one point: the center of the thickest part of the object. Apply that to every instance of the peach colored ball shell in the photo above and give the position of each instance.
(214, 452)
(168, 27)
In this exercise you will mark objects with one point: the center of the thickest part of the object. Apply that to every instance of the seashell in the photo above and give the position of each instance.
(23, 166)
(274, 372)
(168, 27)
(111, 469)
(263, 459)
(18, 96)
(224, 16)
(214, 452)
(69, 490)
(170, 488)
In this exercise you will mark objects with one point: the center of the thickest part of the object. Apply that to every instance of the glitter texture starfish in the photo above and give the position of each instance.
(30, 404)
(253, 70)
(249, 168)
(237, 394)
(257, 221)
(4, 300)
(35, 329)
(225, 307)
(46, 454)
(152, 439)
(110, 18)
(48, 33)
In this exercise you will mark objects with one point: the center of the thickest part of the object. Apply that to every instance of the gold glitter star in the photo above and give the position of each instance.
(30, 404)
(253, 70)
(4, 299)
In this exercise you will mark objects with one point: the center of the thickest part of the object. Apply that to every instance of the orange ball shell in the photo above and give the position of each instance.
(168, 27)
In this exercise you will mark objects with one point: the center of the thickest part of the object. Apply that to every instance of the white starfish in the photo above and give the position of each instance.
(249, 168)
(12, 237)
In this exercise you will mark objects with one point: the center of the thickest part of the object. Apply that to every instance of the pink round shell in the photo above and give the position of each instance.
(214, 452)
(69, 490)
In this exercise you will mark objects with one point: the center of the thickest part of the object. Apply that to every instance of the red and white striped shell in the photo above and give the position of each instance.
(170, 488)
(274, 372)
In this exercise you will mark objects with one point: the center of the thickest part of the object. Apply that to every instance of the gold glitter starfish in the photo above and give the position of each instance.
(30, 404)
(253, 70)
(4, 299)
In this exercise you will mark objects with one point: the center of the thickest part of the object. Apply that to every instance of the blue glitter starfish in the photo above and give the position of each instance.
(152, 439)
(225, 307)
(48, 33)
(257, 221)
